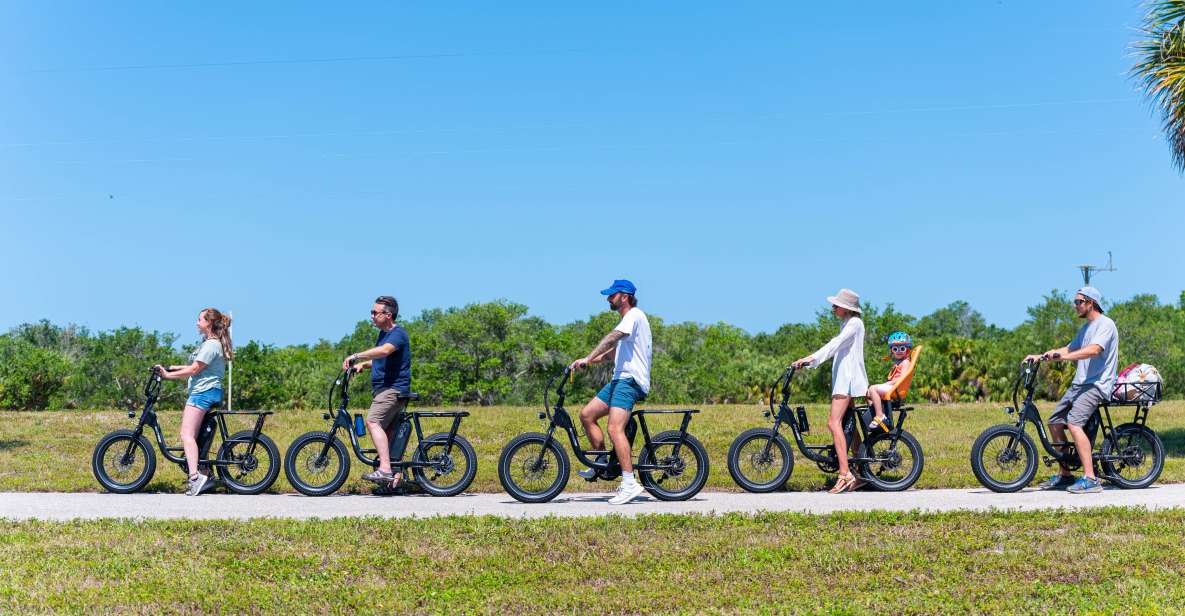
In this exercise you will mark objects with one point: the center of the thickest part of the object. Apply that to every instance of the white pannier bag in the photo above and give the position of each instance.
(1137, 383)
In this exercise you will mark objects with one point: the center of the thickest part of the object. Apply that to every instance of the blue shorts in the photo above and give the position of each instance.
(621, 393)
(205, 399)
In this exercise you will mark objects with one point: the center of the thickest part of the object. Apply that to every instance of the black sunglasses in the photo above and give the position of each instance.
(1079, 302)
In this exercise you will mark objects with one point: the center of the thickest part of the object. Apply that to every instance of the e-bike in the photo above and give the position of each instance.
(247, 461)
(761, 459)
(534, 468)
(443, 464)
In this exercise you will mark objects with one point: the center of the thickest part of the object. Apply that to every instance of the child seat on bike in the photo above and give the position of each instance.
(895, 400)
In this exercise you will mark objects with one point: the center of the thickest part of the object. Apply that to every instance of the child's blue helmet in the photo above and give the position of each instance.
(900, 338)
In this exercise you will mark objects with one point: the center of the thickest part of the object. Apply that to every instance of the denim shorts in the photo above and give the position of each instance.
(205, 400)
(621, 394)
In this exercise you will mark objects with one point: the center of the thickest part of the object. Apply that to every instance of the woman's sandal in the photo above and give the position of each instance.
(843, 483)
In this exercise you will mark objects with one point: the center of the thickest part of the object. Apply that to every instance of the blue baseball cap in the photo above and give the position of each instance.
(620, 286)
(1093, 294)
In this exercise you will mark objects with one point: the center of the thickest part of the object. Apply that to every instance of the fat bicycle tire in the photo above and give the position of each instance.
(299, 470)
(1022, 456)
(235, 448)
(519, 456)
(115, 444)
(780, 458)
(890, 460)
(442, 477)
(653, 453)
(1124, 443)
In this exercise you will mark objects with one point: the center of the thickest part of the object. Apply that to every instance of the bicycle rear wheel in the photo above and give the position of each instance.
(899, 461)
(249, 473)
(682, 475)
(448, 474)
(1141, 456)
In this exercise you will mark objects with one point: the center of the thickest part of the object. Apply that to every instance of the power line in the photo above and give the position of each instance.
(425, 56)
(399, 131)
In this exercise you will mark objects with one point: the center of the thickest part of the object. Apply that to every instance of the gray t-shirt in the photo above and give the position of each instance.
(1101, 369)
(209, 353)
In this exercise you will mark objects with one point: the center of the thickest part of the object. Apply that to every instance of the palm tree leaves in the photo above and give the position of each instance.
(1160, 69)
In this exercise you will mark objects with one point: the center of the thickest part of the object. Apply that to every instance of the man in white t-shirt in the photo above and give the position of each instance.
(1096, 349)
(628, 345)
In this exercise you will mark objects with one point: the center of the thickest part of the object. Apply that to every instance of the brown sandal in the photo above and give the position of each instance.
(843, 483)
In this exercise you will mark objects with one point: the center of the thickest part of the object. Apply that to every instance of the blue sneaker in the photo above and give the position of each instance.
(1086, 485)
(1056, 482)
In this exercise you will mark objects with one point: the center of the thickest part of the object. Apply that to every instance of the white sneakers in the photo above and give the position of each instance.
(626, 492)
(196, 484)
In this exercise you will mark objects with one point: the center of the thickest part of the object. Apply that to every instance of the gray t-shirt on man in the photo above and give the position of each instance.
(209, 353)
(1101, 369)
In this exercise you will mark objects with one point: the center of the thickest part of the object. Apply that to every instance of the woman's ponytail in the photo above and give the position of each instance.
(220, 327)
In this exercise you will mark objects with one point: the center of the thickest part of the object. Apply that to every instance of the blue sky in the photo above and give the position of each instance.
(738, 161)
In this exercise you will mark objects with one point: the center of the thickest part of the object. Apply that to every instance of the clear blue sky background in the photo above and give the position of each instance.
(739, 161)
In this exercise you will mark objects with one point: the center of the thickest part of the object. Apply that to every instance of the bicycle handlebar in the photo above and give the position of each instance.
(153, 384)
(785, 379)
(343, 382)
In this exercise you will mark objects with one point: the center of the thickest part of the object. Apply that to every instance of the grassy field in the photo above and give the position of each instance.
(1101, 561)
(51, 450)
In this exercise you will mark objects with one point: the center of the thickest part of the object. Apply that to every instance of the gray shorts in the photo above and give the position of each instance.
(1077, 405)
(387, 405)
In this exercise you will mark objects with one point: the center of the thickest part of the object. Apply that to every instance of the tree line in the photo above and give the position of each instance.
(497, 353)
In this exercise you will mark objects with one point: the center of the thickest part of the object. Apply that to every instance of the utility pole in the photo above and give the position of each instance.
(1087, 270)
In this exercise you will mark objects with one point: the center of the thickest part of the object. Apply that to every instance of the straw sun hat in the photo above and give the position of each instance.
(846, 298)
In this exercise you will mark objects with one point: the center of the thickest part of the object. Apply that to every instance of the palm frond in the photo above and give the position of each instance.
(1160, 70)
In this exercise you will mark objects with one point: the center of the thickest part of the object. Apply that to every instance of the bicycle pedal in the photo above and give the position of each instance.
(1048, 461)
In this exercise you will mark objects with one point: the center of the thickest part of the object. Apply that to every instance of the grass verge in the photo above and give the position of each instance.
(1107, 560)
(51, 450)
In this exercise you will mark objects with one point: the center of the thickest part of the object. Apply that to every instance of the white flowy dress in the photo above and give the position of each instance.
(848, 377)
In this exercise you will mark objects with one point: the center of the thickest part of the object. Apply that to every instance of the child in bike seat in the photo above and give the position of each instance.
(899, 346)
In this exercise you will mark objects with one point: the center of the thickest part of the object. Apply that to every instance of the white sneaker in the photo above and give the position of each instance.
(626, 493)
(196, 484)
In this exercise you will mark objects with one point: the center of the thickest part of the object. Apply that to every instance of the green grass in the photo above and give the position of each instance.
(51, 450)
(1101, 561)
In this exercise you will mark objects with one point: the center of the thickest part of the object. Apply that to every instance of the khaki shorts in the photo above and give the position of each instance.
(387, 405)
(1077, 405)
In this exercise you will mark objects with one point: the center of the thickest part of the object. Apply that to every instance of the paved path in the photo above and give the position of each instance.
(59, 506)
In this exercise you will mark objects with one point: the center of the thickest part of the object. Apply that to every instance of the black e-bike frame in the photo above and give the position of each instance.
(1065, 452)
(604, 461)
(824, 456)
(205, 437)
(342, 420)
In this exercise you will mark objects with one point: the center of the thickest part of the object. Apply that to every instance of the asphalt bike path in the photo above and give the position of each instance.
(69, 506)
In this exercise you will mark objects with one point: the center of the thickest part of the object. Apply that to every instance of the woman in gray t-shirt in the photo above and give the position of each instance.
(205, 369)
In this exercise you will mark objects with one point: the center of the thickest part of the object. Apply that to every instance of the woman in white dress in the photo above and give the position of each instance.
(848, 378)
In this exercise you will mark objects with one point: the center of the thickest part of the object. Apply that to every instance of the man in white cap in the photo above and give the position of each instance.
(1096, 349)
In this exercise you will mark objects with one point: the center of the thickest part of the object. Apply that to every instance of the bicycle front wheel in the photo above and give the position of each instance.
(759, 461)
(1004, 458)
(317, 464)
(533, 468)
(123, 462)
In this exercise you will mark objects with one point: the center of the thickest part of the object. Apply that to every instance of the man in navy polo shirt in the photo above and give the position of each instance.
(390, 382)
(628, 345)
